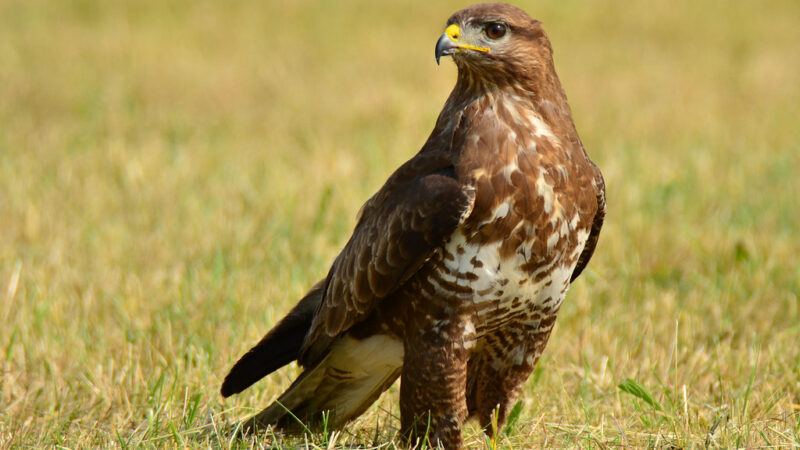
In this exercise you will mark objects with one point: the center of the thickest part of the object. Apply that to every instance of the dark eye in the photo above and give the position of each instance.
(495, 30)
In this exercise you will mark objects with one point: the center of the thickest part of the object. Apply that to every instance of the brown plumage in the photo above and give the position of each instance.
(458, 265)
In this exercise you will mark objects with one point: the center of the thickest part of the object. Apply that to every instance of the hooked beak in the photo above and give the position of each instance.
(445, 46)
(448, 43)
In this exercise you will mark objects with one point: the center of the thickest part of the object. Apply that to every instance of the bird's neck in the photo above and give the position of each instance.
(473, 98)
(540, 94)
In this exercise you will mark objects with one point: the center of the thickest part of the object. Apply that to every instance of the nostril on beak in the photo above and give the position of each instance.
(454, 31)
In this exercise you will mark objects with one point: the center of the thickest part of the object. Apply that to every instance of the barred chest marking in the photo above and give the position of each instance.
(521, 272)
(500, 288)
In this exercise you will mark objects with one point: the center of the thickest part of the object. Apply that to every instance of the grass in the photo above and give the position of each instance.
(173, 175)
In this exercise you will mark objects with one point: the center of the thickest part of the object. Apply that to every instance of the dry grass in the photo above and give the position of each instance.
(173, 175)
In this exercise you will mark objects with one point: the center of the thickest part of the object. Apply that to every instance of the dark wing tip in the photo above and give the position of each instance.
(253, 366)
(243, 374)
(228, 388)
(279, 347)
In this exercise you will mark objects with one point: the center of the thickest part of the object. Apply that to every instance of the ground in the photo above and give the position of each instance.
(174, 175)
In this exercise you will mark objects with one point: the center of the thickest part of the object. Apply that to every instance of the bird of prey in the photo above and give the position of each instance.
(458, 265)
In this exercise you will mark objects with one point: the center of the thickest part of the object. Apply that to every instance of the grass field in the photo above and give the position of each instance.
(174, 175)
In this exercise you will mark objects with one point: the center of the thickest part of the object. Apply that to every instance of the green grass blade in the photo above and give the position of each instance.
(635, 389)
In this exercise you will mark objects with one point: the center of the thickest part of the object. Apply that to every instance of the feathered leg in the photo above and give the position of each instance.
(495, 380)
(432, 389)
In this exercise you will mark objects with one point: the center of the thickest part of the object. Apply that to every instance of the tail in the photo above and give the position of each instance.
(345, 383)
(279, 347)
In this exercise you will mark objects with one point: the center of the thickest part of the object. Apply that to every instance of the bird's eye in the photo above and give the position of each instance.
(495, 30)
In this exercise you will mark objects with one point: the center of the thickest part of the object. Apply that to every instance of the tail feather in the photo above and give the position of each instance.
(279, 347)
(345, 383)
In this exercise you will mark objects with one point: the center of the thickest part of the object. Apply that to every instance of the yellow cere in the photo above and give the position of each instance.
(454, 31)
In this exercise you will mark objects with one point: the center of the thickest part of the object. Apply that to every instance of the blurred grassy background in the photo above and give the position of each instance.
(173, 175)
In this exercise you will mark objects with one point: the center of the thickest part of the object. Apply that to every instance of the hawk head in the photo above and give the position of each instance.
(495, 41)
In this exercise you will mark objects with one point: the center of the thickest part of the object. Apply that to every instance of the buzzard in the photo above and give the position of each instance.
(457, 267)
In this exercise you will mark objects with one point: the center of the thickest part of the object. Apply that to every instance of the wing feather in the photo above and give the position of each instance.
(397, 233)
(594, 233)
